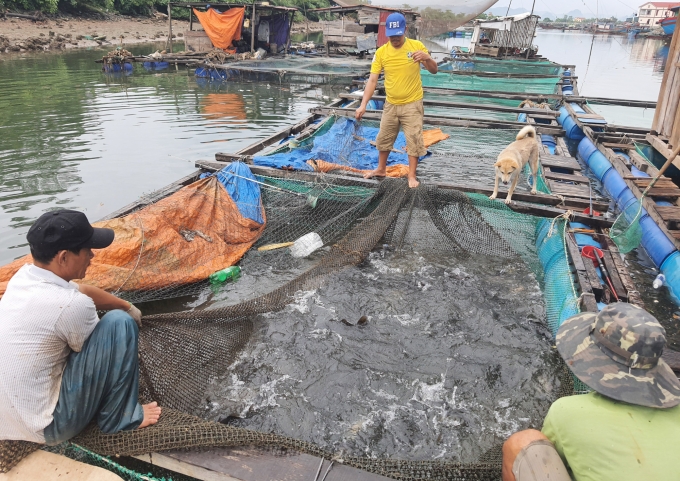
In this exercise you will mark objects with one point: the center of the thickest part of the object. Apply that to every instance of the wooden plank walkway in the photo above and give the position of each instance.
(560, 162)
(251, 464)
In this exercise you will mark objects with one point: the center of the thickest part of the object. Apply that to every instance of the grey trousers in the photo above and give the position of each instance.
(100, 382)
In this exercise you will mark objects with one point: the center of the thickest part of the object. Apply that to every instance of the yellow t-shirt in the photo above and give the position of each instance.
(402, 75)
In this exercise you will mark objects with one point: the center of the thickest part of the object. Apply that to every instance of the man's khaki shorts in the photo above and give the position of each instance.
(539, 461)
(410, 118)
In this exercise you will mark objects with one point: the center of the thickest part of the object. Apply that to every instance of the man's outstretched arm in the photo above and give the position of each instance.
(103, 301)
(368, 93)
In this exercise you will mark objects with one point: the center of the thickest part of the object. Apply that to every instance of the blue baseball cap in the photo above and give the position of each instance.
(395, 25)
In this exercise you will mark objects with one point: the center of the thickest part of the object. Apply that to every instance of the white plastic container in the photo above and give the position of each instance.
(306, 244)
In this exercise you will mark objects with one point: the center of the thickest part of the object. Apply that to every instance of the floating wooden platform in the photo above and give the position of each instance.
(252, 464)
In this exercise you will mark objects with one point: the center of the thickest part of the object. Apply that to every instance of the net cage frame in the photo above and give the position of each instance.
(180, 427)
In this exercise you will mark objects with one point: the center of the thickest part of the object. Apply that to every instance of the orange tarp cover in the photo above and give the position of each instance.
(222, 28)
(430, 137)
(178, 240)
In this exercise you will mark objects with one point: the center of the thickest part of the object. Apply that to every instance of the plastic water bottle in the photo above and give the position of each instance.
(229, 274)
(659, 281)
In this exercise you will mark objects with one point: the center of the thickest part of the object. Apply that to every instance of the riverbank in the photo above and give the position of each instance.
(64, 32)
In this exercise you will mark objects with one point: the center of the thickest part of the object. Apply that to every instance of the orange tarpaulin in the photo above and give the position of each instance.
(222, 28)
(178, 240)
(399, 170)
(430, 137)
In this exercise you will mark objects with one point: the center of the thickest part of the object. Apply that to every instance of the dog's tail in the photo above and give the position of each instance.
(527, 131)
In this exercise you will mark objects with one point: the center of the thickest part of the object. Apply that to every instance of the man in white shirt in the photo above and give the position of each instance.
(60, 365)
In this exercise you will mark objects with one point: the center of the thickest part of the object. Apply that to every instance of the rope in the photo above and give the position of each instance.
(565, 215)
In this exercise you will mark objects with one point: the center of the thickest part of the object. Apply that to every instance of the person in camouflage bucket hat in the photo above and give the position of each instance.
(617, 352)
(627, 428)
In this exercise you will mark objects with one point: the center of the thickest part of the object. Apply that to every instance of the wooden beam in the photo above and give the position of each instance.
(614, 275)
(633, 294)
(542, 205)
(647, 202)
(252, 464)
(560, 162)
(452, 121)
(567, 177)
(169, 27)
(466, 105)
(609, 101)
(252, 30)
(662, 148)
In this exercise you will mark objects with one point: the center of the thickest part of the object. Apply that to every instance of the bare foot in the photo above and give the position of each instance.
(413, 183)
(374, 173)
(152, 412)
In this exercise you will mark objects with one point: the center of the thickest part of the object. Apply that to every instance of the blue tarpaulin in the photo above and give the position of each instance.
(245, 193)
(342, 144)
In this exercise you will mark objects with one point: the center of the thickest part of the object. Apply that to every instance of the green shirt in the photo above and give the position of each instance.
(600, 439)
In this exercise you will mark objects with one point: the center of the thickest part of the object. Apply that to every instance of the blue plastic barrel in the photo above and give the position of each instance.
(572, 130)
(614, 184)
(549, 141)
(585, 149)
(663, 202)
(598, 164)
(637, 172)
(625, 199)
(577, 108)
(671, 269)
(655, 242)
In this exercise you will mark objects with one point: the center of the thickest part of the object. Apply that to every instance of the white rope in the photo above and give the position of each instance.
(566, 216)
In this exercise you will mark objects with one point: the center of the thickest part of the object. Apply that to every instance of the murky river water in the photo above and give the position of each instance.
(449, 363)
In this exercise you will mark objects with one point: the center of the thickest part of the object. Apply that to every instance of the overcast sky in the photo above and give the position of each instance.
(606, 8)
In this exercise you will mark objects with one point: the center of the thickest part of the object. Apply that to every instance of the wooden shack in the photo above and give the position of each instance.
(665, 134)
(361, 26)
(513, 35)
(278, 20)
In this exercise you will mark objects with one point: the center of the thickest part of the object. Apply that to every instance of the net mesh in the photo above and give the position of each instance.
(626, 231)
(502, 66)
(476, 82)
(181, 352)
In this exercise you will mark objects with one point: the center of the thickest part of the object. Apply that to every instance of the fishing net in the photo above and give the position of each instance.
(626, 231)
(181, 352)
(452, 80)
(297, 70)
(501, 66)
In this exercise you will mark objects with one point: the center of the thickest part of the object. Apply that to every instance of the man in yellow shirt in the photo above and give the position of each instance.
(400, 59)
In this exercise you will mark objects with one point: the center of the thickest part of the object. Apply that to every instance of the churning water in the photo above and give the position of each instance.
(453, 358)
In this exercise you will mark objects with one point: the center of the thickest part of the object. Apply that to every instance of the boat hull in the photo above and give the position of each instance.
(668, 25)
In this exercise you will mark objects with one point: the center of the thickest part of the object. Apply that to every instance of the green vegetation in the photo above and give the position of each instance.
(133, 7)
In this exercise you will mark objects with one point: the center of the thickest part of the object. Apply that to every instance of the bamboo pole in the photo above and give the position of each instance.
(252, 30)
(169, 27)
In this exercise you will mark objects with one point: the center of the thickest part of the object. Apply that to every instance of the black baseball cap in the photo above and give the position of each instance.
(67, 229)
